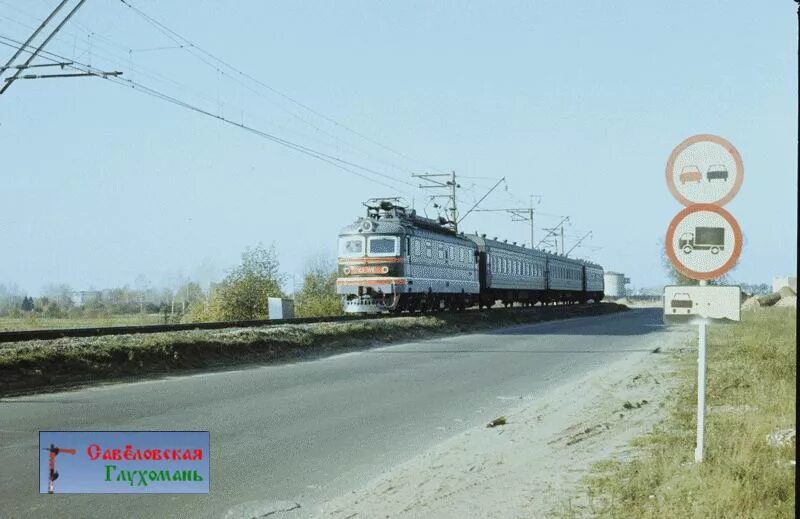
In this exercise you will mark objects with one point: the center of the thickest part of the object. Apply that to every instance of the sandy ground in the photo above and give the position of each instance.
(530, 467)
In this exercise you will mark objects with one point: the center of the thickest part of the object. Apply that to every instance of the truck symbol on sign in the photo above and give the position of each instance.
(681, 302)
(703, 238)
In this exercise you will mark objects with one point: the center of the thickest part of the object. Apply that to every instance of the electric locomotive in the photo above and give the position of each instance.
(394, 259)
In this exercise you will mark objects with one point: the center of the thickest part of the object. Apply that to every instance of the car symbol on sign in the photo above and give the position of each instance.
(681, 302)
(690, 174)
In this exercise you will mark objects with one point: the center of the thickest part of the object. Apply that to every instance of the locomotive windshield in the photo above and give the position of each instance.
(383, 246)
(351, 247)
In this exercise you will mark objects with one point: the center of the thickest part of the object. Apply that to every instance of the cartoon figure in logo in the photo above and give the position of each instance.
(54, 451)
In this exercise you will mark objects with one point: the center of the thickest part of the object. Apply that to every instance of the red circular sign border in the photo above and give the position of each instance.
(737, 248)
(705, 137)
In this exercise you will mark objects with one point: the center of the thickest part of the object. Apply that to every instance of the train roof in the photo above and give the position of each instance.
(388, 216)
(483, 242)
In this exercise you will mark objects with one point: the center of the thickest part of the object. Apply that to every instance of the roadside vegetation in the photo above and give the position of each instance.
(241, 295)
(749, 469)
(32, 365)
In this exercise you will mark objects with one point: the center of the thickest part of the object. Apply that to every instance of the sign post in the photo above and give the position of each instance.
(703, 242)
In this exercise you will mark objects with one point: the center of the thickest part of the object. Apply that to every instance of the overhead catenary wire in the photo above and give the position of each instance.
(189, 45)
(183, 43)
(324, 157)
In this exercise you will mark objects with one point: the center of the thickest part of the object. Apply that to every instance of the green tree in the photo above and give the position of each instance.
(318, 296)
(244, 292)
(27, 304)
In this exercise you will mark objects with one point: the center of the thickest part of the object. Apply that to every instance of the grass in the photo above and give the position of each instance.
(39, 323)
(36, 365)
(751, 382)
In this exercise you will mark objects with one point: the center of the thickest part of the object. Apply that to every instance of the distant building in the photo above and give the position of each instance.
(615, 284)
(786, 281)
(82, 297)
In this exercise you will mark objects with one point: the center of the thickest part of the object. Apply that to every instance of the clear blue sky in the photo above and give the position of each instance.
(576, 101)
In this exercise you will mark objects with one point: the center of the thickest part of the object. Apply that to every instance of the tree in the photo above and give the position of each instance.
(318, 296)
(59, 293)
(189, 294)
(244, 292)
(27, 304)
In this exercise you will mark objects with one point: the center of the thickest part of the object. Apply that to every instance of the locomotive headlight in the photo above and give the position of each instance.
(384, 270)
(347, 271)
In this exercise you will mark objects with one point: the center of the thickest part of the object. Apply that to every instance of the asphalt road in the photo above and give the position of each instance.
(309, 431)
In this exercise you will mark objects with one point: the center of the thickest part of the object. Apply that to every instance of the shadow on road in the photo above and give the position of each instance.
(641, 321)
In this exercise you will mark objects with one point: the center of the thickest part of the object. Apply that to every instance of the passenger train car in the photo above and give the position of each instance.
(394, 260)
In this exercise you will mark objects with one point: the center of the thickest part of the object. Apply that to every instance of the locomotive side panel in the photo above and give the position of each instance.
(441, 264)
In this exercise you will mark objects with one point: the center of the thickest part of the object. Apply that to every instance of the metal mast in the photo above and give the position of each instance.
(587, 235)
(519, 214)
(552, 232)
(451, 185)
(35, 52)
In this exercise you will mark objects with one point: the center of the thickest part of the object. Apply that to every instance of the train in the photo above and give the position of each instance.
(394, 260)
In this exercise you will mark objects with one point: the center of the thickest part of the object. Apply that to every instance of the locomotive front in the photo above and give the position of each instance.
(370, 265)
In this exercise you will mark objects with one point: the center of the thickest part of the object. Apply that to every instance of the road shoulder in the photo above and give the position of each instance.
(533, 464)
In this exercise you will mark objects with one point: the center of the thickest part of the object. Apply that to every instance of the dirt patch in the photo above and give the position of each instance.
(39, 365)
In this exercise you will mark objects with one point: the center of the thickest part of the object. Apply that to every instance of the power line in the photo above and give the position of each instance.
(188, 45)
(324, 157)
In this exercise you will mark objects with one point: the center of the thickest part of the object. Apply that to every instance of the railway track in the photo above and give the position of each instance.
(50, 334)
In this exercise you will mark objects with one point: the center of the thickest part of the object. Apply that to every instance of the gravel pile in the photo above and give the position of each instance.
(751, 303)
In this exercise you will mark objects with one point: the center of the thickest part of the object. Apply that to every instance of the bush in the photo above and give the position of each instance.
(769, 299)
(318, 297)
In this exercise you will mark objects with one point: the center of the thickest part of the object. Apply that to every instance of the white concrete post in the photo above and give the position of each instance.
(701, 391)
(701, 387)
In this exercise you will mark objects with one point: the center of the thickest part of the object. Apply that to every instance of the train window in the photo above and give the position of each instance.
(418, 247)
(441, 251)
(351, 246)
(383, 246)
(461, 254)
(452, 255)
(428, 250)
(408, 246)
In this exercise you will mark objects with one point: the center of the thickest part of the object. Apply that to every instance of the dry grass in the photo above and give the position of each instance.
(32, 365)
(39, 323)
(751, 386)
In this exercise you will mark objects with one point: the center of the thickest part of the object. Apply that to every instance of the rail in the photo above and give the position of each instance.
(50, 334)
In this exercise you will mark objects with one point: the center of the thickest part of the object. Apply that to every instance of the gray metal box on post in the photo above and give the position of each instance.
(280, 308)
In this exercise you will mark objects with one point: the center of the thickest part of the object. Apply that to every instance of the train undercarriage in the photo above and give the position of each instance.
(376, 302)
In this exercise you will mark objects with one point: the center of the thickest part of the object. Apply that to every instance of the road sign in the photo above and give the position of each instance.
(704, 169)
(684, 304)
(703, 241)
